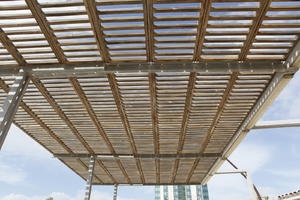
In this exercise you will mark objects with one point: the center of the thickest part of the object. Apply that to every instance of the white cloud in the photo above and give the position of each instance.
(10, 174)
(290, 173)
(287, 102)
(96, 195)
(18, 143)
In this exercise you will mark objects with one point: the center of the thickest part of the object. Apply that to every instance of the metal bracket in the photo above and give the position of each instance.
(11, 105)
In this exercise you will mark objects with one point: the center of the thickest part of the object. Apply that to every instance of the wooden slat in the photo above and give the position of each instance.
(255, 28)
(97, 29)
(40, 17)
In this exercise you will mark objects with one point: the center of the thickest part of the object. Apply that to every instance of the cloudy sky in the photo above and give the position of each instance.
(27, 171)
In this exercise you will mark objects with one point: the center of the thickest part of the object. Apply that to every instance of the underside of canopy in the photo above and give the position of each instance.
(159, 91)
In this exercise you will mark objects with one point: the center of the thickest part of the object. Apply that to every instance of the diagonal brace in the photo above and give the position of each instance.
(11, 105)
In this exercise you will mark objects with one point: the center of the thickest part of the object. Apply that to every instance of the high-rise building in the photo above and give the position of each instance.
(181, 192)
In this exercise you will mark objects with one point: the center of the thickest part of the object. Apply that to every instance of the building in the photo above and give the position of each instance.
(290, 196)
(181, 192)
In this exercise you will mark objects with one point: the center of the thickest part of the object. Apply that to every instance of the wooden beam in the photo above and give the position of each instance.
(8, 44)
(202, 25)
(149, 29)
(40, 17)
(185, 120)
(154, 117)
(122, 112)
(215, 121)
(261, 13)
(95, 21)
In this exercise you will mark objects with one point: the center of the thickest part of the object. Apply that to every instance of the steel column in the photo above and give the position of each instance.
(11, 105)
(89, 181)
(115, 192)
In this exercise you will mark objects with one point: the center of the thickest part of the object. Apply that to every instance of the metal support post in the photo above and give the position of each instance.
(245, 176)
(11, 105)
(248, 179)
(89, 181)
(115, 192)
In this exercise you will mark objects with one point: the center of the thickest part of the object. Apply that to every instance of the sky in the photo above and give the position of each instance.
(27, 171)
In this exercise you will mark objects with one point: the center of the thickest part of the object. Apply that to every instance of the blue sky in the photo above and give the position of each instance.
(27, 171)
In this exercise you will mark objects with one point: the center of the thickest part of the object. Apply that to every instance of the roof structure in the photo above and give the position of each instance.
(159, 91)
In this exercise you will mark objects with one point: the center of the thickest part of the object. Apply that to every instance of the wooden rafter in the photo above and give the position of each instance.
(264, 5)
(40, 17)
(202, 24)
(96, 25)
(118, 100)
(154, 117)
(93, 116)
(185, 120)
(7, 43)
(149, 29)
(215, 121)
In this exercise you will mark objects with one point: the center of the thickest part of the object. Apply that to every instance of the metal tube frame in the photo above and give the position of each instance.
(100, 68)
(142, 156)
(11, 105)
(277, 124)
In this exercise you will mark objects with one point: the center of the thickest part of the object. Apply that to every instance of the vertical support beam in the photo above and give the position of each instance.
(115, 192)
(89, 181)
(11, 105)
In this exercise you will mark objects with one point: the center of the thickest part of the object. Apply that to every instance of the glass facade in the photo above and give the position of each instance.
(181, 192)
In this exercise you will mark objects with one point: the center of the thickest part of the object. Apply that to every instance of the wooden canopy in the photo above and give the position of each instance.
(145, 126)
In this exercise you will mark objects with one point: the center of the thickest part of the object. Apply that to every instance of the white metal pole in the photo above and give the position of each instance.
(89, 181)
(11, 104)
(277, 124)
(250, 185)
